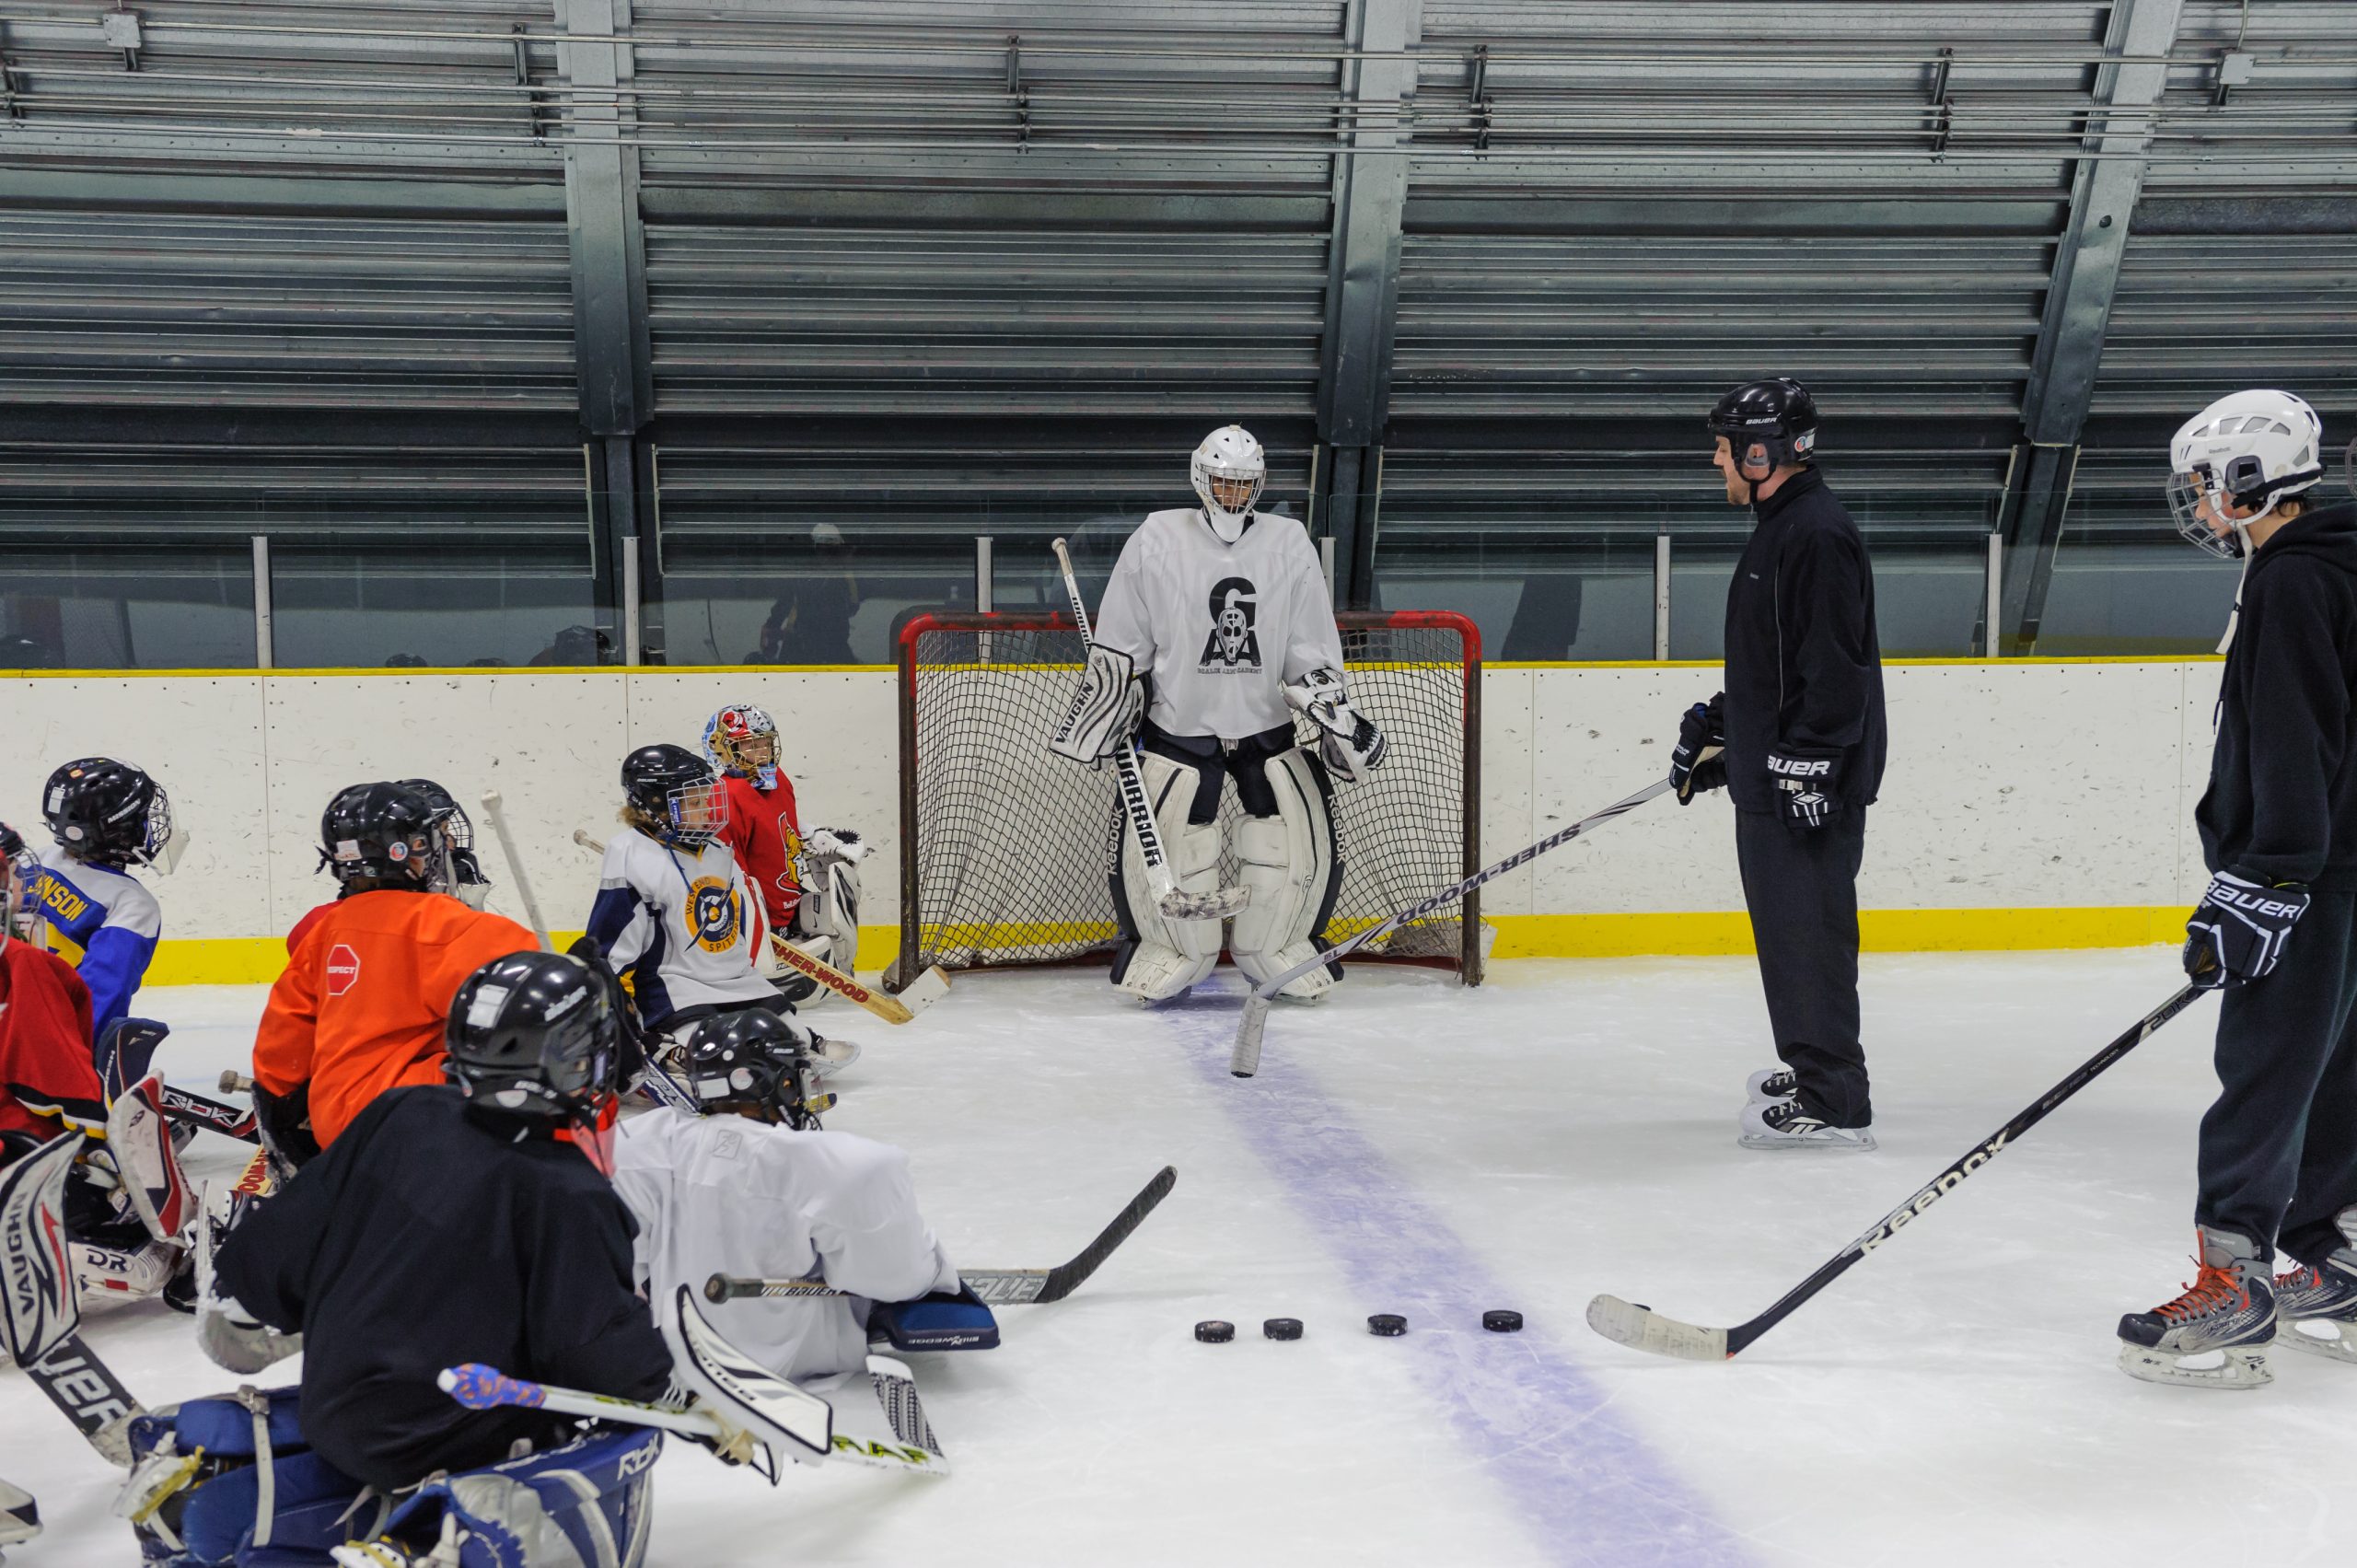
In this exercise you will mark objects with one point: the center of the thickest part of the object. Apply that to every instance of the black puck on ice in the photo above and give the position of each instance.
(1281, 1328)
(1211, 1332)
(1502, 1321)
(1388, 1324)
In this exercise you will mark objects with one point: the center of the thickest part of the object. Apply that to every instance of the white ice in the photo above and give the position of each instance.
(1565, 1129)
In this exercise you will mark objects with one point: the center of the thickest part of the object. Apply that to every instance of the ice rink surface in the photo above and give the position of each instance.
(1410, 1146)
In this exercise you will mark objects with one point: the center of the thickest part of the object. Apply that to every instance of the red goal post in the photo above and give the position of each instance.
(1005, 846)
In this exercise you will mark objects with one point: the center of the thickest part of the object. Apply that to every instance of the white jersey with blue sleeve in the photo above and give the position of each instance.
(679, 925)
(102, 922)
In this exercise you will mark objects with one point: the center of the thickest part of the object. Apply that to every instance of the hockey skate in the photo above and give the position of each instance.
(1771, 1085)
(1783, 1124)
(2316, 1308)
(2216, 1334)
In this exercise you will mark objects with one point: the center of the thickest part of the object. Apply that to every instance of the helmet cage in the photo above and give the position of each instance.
(1231, 457)
(694, 814)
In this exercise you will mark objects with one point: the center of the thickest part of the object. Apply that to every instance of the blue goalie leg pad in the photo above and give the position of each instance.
(587, 1502)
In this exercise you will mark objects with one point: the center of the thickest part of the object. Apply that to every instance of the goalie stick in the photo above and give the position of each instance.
(998, 1287)
(1640, 1327)
(1220, 904)
(491, 810)
(214, 1116)
(1244, 1060)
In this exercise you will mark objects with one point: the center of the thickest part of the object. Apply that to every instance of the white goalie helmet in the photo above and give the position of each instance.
(1229, 469)
(2249, 449)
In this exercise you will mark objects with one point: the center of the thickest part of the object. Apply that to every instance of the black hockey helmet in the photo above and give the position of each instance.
(467, 878)
(758, 1061)
(393, 833)
(1776, 415)
(111, 813)
(675, 795)
(533, 1033)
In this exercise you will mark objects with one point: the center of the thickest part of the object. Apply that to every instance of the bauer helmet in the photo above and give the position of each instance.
(1767, 423)
(674, 794)
(756, 1062)
(1228, 471)
(2248, 451)
(388, 832)
(467, 881)
(533, 1033)
(112, 813)
(741, 739)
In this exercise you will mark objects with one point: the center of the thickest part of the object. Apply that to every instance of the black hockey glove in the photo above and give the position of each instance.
(1700, 762)
(1803, 780)
(2236, 934)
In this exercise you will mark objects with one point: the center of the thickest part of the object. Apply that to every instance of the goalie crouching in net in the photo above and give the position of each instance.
(1214, 632)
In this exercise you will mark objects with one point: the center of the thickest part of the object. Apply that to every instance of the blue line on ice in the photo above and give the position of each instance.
(1591, 1491)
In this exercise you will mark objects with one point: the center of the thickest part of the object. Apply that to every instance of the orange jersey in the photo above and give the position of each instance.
(360, 1008)
(764, 832)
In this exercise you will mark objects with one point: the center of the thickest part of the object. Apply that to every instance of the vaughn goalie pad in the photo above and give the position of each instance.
(1291, 865)
(40, 1309)
(140, 1139)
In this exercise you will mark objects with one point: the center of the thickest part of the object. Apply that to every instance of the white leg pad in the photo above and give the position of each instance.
(1171, 955)
(1288, 863)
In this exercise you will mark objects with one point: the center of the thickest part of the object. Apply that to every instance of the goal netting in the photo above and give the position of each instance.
(1005, 847)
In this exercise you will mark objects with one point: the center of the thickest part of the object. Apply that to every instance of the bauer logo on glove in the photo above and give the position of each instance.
(2238, 932)
(1805, 783)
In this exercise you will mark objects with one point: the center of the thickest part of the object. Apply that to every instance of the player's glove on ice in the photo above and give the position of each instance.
(1700, 761)
(1105, 712)
(1804, 782)
(2236, 934)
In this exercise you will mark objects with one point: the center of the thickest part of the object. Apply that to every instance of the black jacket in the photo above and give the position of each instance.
(2282, 805)
(1804, 662)
(434, 1232)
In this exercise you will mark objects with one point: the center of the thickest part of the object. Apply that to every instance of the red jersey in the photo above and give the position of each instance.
(48, 1082)
(764, 832)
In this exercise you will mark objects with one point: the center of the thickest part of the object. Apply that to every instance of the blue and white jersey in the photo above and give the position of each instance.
(679, 925)
(99, 921)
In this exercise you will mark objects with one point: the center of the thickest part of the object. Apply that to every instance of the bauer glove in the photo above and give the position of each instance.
(2236, 934)
(1700, 761)
(1804, 782)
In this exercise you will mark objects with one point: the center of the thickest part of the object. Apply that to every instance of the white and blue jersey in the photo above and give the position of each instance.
(678, 925)
(102, 922)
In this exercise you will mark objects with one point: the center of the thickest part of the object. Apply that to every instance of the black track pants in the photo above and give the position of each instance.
(2279, 1149)
(1801, 886)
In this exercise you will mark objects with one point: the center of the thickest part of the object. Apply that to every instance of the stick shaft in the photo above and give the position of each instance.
(491, 808)
(891, 1009)
(1125, 763)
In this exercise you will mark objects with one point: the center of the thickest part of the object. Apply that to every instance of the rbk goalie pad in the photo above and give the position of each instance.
(1105, 712)
(1348, 741)
(2236, 934)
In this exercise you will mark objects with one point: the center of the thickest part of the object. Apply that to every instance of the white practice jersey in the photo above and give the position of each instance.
(679, 923)
(1220, 627)
(721, 1194)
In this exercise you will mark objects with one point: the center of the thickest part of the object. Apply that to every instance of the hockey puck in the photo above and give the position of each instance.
(1281, 1328)
(1211, 1332)
(1391, 1325)
(1502, 1321)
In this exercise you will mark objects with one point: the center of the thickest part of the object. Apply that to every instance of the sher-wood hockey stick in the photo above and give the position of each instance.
(1221, 904)
(919, 993)
(515, 868)
(999, 1287)
(1244, 1059)
(1640, 1327)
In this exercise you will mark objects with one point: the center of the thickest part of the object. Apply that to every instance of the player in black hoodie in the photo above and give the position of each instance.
(2277, 929)
(1797, 738)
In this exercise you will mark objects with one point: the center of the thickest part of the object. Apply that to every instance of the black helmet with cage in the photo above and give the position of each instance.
(671, 794)
(468, 882)
(532, 1033)
(756, 1063)
(112, 813)
(388, 835)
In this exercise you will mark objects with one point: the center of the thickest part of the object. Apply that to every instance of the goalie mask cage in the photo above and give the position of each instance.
(1005, 847)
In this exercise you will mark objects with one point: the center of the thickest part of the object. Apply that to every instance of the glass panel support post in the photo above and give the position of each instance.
(263, 648)
(1992, 643)
(629, 601)
(1661, 597)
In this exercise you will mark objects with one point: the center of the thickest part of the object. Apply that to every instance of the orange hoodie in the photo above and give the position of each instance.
(360, 1008)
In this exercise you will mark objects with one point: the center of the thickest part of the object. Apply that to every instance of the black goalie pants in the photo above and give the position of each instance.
(2279, 1149)
(1801, 886)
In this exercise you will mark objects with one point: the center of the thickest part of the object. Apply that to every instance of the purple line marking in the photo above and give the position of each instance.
(1591, 1490)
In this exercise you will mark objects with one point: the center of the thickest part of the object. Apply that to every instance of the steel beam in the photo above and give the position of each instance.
(2109, 177)
(1363, 283)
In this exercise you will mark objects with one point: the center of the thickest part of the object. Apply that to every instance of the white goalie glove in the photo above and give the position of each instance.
(1348, 741)
(1105, 712)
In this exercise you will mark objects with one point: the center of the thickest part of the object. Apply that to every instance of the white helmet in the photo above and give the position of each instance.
(2252, 450)
(1230, 454)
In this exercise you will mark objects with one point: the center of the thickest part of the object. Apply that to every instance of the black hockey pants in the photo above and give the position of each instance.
(1801, 886)
(2279, 1149)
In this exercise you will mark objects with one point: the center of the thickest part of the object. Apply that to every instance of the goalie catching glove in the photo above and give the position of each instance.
(2236, 935)
(1348, 741)
(1105, 712)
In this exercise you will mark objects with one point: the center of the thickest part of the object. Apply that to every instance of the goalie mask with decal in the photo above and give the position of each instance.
(741, 740)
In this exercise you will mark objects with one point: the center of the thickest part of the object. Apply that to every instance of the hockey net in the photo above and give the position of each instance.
(1005, 846)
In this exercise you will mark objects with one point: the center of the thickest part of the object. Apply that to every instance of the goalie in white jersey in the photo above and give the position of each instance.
(1214, 632)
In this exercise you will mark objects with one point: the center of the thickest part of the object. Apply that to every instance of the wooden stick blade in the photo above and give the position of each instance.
(924, 991)
(1641, 1328)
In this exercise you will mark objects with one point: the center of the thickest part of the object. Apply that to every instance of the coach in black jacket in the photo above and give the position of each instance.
(1797, 738)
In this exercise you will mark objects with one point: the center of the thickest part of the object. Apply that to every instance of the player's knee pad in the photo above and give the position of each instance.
(1292, 867)
(1159, 957)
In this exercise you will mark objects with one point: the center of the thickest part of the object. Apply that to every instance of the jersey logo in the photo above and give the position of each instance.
(793, 842)
(343, 970)
(1233, 641)
(714, 914)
